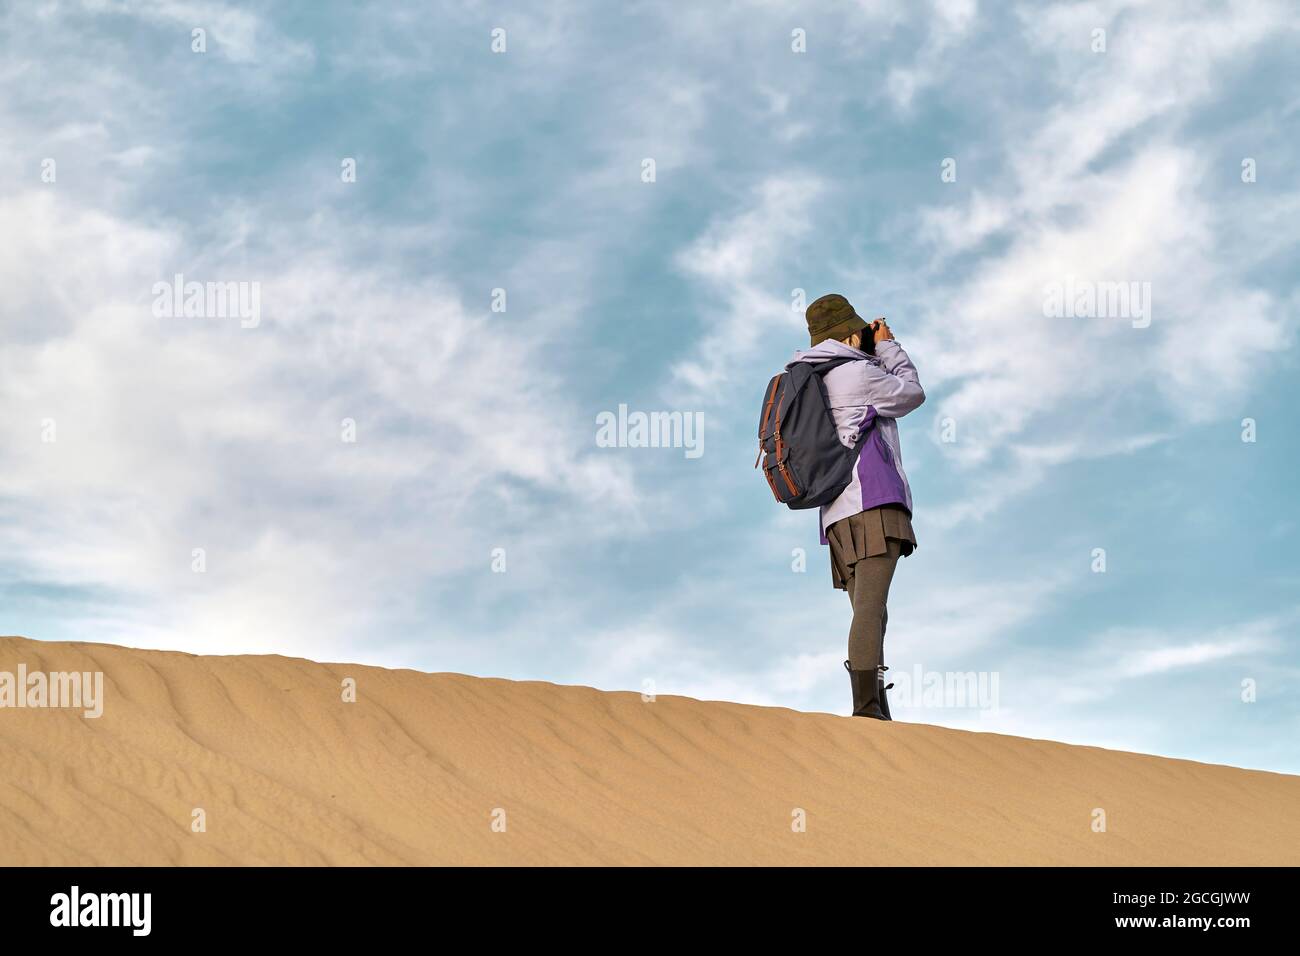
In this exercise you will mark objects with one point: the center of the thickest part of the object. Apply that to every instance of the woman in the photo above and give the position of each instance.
(869, 526)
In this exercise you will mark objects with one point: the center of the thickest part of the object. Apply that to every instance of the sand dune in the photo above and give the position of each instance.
(417, 770)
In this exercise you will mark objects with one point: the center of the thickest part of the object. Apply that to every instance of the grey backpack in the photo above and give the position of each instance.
(803, 459)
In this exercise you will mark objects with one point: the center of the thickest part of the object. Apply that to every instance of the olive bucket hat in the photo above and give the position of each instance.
(831, 317)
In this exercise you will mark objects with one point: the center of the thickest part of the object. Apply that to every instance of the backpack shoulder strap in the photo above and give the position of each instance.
(821, 368)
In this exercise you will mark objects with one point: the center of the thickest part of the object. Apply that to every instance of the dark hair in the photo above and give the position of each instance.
(868, 340)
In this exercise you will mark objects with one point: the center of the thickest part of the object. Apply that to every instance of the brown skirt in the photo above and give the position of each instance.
(863, 535)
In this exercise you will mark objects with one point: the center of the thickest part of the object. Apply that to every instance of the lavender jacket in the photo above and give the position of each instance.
(873, 392)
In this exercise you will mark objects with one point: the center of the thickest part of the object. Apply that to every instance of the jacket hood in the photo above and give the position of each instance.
(830, 349)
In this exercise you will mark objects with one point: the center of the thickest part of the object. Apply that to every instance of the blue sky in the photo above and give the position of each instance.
(775, 171)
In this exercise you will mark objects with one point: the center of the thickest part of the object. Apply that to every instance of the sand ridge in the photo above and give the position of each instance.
(448, 769)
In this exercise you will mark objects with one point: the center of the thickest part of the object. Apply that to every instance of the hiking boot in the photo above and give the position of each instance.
(867, 693)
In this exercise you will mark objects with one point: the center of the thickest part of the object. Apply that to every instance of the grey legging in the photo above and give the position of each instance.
(868, 589)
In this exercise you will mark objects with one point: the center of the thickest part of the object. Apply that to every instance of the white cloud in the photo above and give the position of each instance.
(1013, 379)
(1163, 659)
(948, 23)
(1084, 694)
(175, 434)
(1141, 653)
(234, 33)
(736, 259)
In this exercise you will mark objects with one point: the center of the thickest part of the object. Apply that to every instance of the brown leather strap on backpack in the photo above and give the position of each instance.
(780, 459)
(767, 414)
